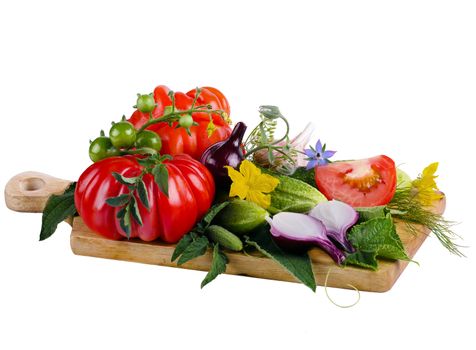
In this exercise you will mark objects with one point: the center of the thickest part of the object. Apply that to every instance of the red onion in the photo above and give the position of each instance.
(227, 152)
(337, 217)
(294, 230)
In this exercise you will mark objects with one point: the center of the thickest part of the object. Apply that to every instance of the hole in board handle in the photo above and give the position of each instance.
(32, 184)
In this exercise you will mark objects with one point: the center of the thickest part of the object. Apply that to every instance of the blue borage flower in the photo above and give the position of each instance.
(318, 155)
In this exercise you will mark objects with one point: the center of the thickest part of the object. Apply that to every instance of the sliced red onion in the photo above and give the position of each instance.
(294, 230)
(337, 217)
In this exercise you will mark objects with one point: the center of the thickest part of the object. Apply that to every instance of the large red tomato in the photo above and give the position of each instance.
(359, 183)
(176, 141)
(190, 193)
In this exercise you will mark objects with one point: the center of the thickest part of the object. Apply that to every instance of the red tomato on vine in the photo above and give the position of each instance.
(209, 128)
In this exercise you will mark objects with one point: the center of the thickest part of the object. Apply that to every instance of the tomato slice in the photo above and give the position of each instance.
(359, 183)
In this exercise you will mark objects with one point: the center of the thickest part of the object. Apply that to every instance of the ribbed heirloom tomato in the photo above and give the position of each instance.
(176, 141)
(190, 193)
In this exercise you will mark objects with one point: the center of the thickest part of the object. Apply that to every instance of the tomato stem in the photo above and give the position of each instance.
(144, 150)
(175, 116)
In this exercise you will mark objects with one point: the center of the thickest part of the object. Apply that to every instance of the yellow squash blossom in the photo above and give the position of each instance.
(426, 186)
(250, 184)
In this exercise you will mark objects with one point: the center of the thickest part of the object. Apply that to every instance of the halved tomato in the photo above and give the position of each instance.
(359, 183)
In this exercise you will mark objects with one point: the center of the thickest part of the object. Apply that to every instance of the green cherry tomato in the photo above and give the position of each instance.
(148, 139)
(145, 103)
(186, 121)
(122, 134)
(102, 148)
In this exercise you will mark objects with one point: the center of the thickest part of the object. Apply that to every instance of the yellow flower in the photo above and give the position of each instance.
(250, 184)
(426, 186)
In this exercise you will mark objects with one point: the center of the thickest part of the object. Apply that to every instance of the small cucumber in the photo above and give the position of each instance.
(294, 195)
(241, 216)
(304, 175)
(224, 238)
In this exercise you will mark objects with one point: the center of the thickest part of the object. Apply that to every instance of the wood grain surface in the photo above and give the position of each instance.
(29, 191)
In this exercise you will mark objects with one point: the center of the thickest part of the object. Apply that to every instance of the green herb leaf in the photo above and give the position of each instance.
(161, 177)
(143, 194)
(125, 180)
(57, 209)
(124, 216)
(375, 238)
(181, 246)
(218, 266)
(298, 264)
(406, 207)
(118, 201)
(197, 248)
(134, 209)
(212, 212)
(145, 162)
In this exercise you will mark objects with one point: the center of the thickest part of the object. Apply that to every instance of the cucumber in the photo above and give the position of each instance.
(224, 238)
(294, 195)
(304, 175)
(241, 216)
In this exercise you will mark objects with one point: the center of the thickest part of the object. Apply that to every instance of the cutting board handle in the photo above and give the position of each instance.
(29, 191)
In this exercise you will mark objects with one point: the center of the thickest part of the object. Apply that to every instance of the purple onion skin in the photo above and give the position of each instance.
(337, 231)
(300, 246)
(293, 242)
(341, 239)
(227, 152)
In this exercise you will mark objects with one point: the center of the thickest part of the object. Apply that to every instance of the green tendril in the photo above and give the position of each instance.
(332, 301)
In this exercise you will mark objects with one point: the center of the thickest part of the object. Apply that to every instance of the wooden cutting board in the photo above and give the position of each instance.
(29, 191)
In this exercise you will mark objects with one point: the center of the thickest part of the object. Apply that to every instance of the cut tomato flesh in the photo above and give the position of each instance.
(360, 183)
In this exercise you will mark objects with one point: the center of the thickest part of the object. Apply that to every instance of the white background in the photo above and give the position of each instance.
(377, 77)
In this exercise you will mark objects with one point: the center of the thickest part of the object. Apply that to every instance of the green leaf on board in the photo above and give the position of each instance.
(195, 249)
(218, 266)
(181, 246)
(375, 238)
(57, 209)
(368, 213)
(298, 264)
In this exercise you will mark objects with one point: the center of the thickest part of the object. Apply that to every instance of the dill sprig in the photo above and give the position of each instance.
(407, 208)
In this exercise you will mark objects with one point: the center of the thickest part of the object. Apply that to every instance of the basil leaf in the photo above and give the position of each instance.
(181, 246)
(118, 201)
(194, 249)
(57, 209)
(218, 266)
(161, 177)
(298, 264)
